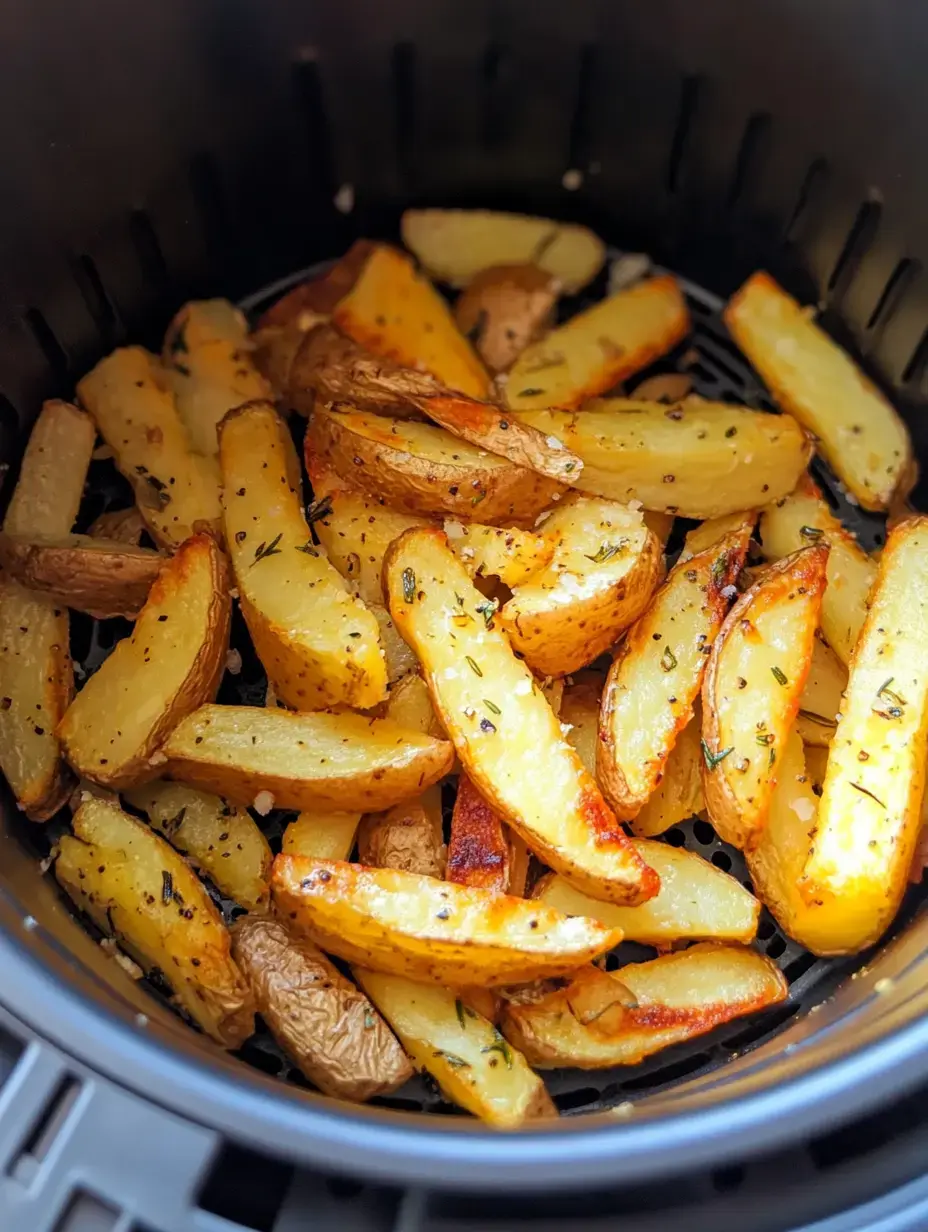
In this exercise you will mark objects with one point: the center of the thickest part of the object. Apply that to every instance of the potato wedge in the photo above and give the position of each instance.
(319, 644)
(394, 311)
(479, 852)
(679, 795)
(119, 526)
(400, 660)
(319, 1018)
(708, 533)
(600, 347)
(322, 835)
(218, 838)
(463, 1052)
(869, 815)
(495, 551)
(502, 728)
(659, 524)
(752, 689)
(657, 673)
(140, 892)
(698, 459)
(697, 901)
(680, 996)
(410, 705)
(177, 490)
(207, 353)
(425, 470)
(36, 680)
(339, 761)
(321, 295)
(817, 768)
(803, 518)
(408, 837)
(430, 930)
(822, 697)
(103, 578)
(456, 245)
(605, 569)
(504, 309)
(579, 710)
(170, 664)
(860, 435)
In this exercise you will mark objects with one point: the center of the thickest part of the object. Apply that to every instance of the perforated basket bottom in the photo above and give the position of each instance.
(719, 373)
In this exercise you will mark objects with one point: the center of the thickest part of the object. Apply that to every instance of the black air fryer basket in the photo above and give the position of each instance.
(152, 153)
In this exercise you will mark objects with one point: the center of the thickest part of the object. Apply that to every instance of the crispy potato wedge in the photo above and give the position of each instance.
(822, 697)
(177, 491)
(218, 838)
(339, 761)
(319, 644)
(425, 470)
(207, 353)
(657, 673)
(504, 309)
(103, 578)
(170, 664)
(140, 892)
(697, 901)
(708, 533)
(479, 852)
(605, 569)
(319, 1018)
(36, 680)
(502, 728)
(600, 347)
(679, 795)
(410, 705)
(752, 689)
(321, 295)
(119, 526)
(803, 518)
(408, 837)
(698, 459)
(579, 710)
(463, 1052)
(322, 835)
(457, 245)
(680, 996)
(399, 658)
(430, 930)
(869, 815)
(496, 551)
(860, 435)
(394, 311)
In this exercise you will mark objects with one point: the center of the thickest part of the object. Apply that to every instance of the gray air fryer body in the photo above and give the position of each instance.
(156, 152)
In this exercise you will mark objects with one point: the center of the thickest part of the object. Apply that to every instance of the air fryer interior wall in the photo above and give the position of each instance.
(180, 149)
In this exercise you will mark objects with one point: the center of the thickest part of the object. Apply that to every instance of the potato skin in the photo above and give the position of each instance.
(326, 1024)
(504, 309)
(408, 837)
(319, 296)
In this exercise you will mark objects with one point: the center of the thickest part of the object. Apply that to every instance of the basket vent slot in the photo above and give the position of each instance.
(97, 299)
(315, 124)
(86, 1212)
(55, 355)
(754, 146)
(45, 1131)
(812, 184)
(859, 239)
(916, 367)
(148, 251)
(246, 1188)
(899, 281)
(690, 93)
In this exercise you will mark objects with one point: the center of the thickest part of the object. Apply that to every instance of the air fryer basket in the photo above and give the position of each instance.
(155, 153)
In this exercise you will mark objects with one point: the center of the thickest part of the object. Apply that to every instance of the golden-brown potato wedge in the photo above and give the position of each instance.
(752, 689)
(657, 673)
(480, 851)
(822, 697)
(36, 680)
(316, 1014)
(708, 533)
(394, 311)
(321, 835)
(408, 837)
(463, 1052)
(869, 815)
(103, 578)
(410, 705)
(679, 795)
(430, 930)
(605, 569)
(496, 551)
(502, 728)
(803, 518)
(504, 309)
(697, 901)
(400, 660)
(319, 644)
(860, 434)
(698, 459)
(218, 838)
(207, 353)
(170, 664)
(177, 490)
(140, 892)
(456, 245)
(339, 761)
(600, 347)
(680, 996)
(119, 526)
(425, 470)
(319, 296)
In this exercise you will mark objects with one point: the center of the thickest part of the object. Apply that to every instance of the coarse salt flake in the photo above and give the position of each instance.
(263, 803)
